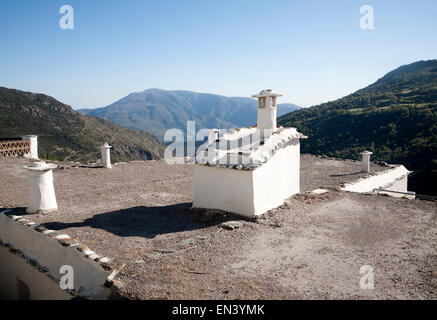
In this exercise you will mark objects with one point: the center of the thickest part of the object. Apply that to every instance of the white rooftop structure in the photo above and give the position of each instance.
(249, 171)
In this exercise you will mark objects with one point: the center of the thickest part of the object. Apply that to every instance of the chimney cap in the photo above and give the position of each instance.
(105, 146)
(266, 93)
(366, 152)
(40, 166)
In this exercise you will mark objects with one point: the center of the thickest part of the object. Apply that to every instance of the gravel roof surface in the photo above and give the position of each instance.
(312, 247)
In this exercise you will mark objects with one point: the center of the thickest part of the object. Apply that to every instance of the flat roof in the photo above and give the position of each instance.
(312, 247)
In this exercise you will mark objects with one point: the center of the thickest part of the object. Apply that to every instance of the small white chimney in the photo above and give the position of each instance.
(266, 110)
(365, 161)
(33, 146)
(106, 155)
(41, 196)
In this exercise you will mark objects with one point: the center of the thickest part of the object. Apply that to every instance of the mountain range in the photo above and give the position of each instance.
(395, 118)
(156, 110)
(65, 134)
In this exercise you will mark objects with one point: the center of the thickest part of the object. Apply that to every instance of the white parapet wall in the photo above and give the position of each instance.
(398, 189)
(249, 192)
(393, 179)
(32, 257)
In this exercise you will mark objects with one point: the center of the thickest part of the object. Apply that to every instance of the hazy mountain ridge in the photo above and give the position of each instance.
(156, 110)
(67, 134)
(396, 118)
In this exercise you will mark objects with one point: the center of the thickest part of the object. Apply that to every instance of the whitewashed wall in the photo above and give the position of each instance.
(225, 189)
(400, 185)
(277, 179)
(396, 177)
(249, 193)
(19, 279)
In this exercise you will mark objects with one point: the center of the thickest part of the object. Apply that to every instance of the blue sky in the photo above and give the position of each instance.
(310, 51)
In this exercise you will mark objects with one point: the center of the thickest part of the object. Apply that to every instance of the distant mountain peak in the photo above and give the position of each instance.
(156, 110)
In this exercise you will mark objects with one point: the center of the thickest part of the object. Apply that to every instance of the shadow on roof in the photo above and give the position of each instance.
(140, 221)
(346, 174)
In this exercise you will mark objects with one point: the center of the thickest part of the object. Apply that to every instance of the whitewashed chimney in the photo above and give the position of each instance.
(213, 136)
(365, 161)
(33, 146)
(106, 155)
(266, 110)
(41, 197)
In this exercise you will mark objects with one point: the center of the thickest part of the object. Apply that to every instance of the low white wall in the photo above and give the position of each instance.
(25, 251)
(21, 281)
(224, 189)
(400, 185)
(381, 180)
(278, 179)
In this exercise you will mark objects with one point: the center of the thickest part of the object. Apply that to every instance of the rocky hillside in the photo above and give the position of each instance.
(156, 110)
(395, 118)
(65, 134)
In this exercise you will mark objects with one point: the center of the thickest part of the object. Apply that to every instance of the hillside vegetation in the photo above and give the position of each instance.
(65, 134)
(395, 118)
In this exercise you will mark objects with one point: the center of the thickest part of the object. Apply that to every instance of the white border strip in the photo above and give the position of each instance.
(369, 184)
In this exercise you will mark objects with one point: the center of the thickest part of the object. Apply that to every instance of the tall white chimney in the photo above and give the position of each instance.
(106, 155)
(365, 161)
(266, 110)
